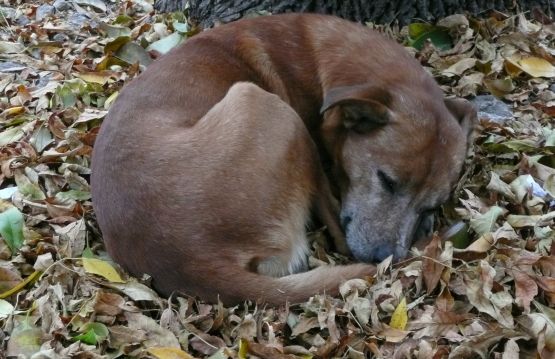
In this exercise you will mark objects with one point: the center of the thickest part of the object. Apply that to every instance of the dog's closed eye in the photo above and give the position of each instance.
(387, 182)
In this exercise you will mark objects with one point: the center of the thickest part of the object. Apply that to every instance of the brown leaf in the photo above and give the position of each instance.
(262, 351)
(526, 289)
(304, 325)
(547, 265)
(108, 303)
(206, 344)
(9, 278)
(431, 268)
(546, 283)
(479, 292)
(445, 301)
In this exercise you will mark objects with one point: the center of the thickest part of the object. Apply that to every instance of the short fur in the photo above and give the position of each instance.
(209, 164)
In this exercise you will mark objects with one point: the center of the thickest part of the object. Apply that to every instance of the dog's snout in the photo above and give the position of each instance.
(345, 220)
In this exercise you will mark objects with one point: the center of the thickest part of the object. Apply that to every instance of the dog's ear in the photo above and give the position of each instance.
(363, 108)
(465, 113)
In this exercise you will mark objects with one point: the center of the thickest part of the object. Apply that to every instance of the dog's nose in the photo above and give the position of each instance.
(345, 220)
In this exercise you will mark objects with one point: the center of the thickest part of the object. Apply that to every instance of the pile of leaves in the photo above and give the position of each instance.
(487, 292)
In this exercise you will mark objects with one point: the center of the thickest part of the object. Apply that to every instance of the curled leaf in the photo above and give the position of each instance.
(533, 66)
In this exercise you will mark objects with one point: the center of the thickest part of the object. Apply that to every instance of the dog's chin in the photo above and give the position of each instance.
(368, 251)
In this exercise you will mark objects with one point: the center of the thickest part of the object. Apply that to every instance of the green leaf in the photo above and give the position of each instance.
(458, 235)
(417, 29)
(66, 96)
(181, 27)
(167, 43)
(115, 45)
(73, 195)
(124, 20)
(11, 228)
(439, 36)
(521, 145)
(93, 333)
(87, 253)
(27, 187)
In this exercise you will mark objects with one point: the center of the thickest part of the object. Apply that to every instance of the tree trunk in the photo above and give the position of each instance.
(207, 12)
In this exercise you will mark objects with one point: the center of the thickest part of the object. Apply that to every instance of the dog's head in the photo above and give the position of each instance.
(397, 155)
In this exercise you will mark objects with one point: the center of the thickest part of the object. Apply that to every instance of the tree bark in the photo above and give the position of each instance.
(207, 12)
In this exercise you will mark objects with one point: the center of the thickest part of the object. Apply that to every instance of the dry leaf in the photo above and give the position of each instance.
(533, 66)
(168, 353)
(431, 265)
(102, 268)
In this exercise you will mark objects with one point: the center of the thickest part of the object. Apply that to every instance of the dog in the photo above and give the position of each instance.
(209, 164)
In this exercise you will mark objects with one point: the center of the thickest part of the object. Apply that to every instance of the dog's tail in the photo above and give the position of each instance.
(294, 288)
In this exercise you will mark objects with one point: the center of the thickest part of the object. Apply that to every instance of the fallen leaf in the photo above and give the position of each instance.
(6, 309)
(136, 291)
(97, 4)
(431, 266)
(25, 339)
(92, 333)
(485, 223)
(511, 350)
(168, 353)
(533, 66)
(480, 295)
(439, 36)
(497, 185)
(166, 44)
(458, 68)
(11, 227)
(101, 268)
(526, 289)
(400, 317)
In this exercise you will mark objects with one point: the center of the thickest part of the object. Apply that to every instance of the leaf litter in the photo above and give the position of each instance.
(485, 288)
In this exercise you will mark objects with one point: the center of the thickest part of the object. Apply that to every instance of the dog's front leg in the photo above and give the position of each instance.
(327, 210)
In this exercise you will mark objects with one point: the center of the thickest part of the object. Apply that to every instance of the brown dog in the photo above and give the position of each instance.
(208, 165)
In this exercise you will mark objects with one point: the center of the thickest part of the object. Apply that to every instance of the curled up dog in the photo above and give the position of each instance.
(210, 164)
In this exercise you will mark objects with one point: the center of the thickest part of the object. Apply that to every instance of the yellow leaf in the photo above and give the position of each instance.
(102, 268)
(13, 111)
(243, 349)
(533, 66)
(400, 316)
(101, 77)
(169, 353)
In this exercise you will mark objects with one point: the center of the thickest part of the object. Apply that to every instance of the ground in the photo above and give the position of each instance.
(485, 288)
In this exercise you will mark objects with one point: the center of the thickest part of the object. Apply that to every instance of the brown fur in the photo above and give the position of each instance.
(209, 163)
